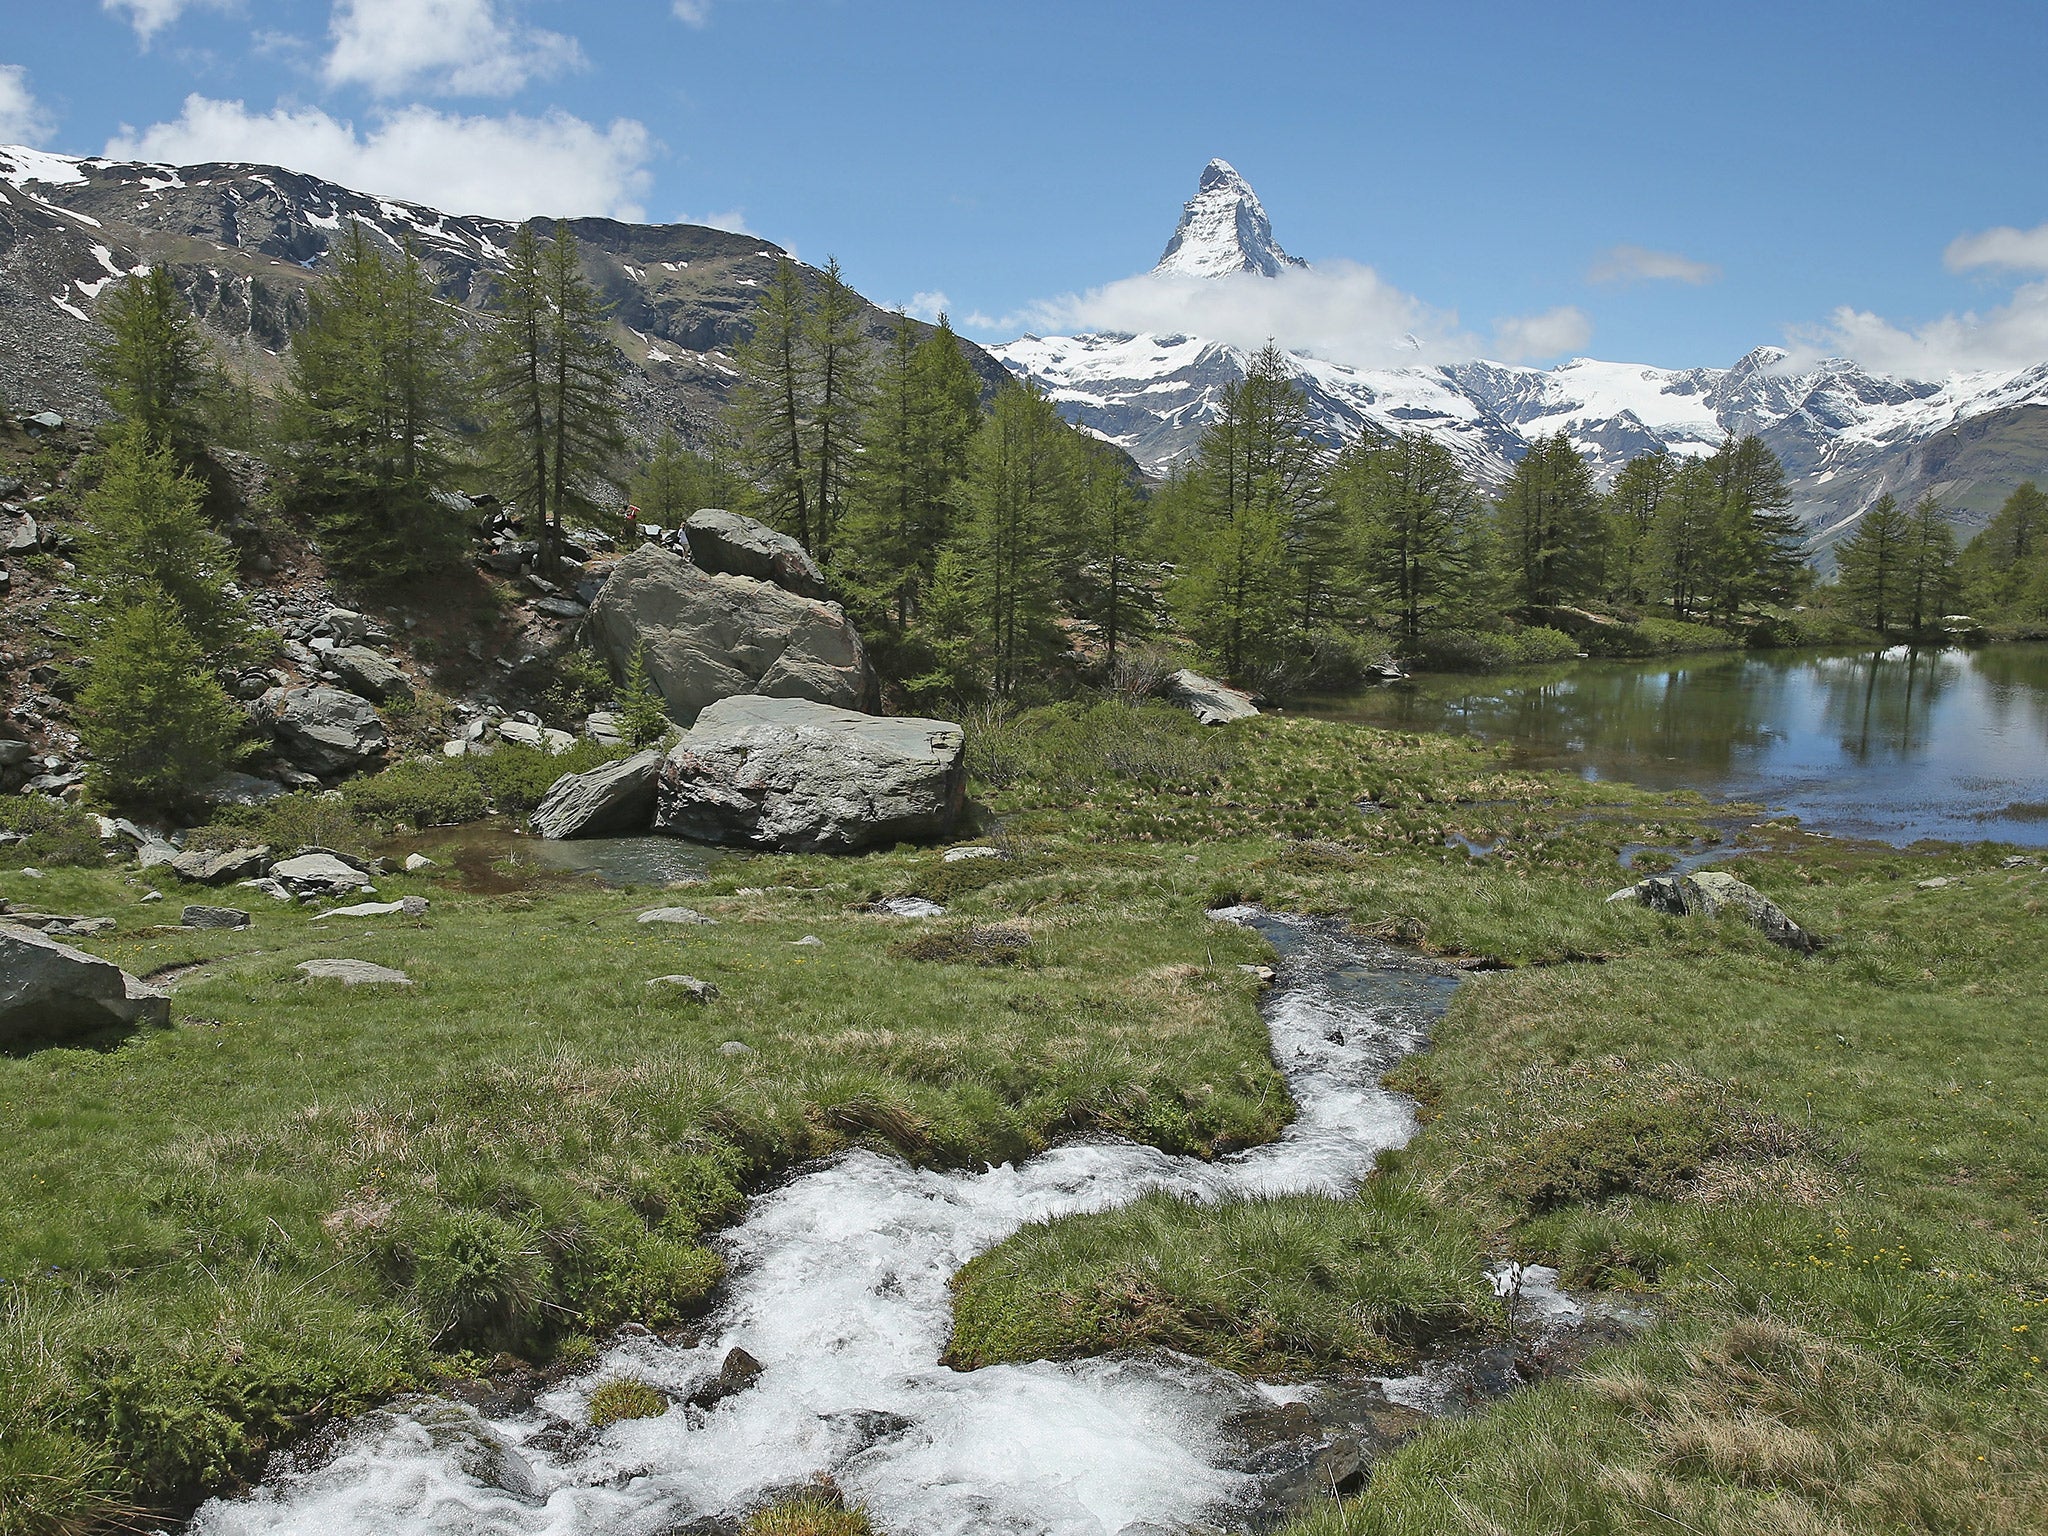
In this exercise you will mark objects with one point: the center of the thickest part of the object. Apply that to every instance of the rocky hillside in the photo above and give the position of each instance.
(1844, 434)
(247, 241)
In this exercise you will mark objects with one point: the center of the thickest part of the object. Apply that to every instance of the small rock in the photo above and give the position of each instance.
(30, 871)
(676, 915)
(809, 938)
(702, 991)
(739, 1371)
(152, 895)
(1938, 883)
(355, 973)
(415, 862)
(908, 906)
(957, 855)
(215, 917)
(735, 1048)
(1264, 974)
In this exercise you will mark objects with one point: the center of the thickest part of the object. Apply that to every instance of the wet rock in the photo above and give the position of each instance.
(690, 986)
(1707, 893)
(739, 1371)
(708, 637)
(804, 777)
(214, 917)
(50, 992)
(728, 543)
(616, 797)
(1210, 702)
(354, 973)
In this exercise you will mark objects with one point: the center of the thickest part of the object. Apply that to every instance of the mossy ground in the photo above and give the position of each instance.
(1825, 1172)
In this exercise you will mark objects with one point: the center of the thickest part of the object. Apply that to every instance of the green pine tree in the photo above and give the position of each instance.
(643, 715)
(1633, 503)
(677, 481)
(155, 723)
(1928, 569)
(150, 538)
(1550, 526)
(839, 365)
(1872, 563)
(771, 409)
(2004, 569)
(1681, 550)
(1412, 518)
(153, 364)
(1017, 500)
(1112, 526)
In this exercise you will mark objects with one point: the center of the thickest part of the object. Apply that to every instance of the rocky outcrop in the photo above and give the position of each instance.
(370, 673)
(1210, 702)
(318, 872)
(1708, 893)
(50, 993)
(709, 636)
(617, 797)
(739, 546)
(326, 731)
(218, 867)
(804, 777)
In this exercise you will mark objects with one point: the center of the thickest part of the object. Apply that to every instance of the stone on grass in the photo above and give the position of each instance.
(960, 855)
(803, 777)
(218, 868)
(675, 915)
(214, 917)
(708, 637)
(152, 896)
(1707, 893)
(415, 862)
(807, 940)
(410, 906)
(616, 797)
(1210, 702)
(690, 986)
(735, 1048)
(734, 545)
(50, 992)
(908, 906)
(355, 973)
(319, 873)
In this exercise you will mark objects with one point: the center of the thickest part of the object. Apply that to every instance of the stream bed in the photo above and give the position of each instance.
(840, 1289)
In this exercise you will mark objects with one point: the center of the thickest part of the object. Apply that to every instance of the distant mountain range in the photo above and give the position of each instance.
(1844, 434)
(246, 242)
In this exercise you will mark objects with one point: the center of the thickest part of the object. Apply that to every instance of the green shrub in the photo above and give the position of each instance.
(614, 1270)
(1657, 637)
(152, 718)
(419, 794)
(1651, 1150)
(55, 834)
(810, 1515)
(481, 1280)
(1471, 650)
(308, 819)
(517, 777)
(1077, 747)
(625, 1397)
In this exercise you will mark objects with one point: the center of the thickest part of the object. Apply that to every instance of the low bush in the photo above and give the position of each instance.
(625, 1397)
(54, 834)
(975, 944)
(1657, 637)
(1078, 746)
(1472, 650)
(508, 781)
(1807, 626)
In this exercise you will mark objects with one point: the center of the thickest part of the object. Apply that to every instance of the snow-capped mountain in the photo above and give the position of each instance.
(246, 242)
(1844, 434)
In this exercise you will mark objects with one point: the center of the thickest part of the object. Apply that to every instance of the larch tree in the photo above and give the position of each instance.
(1872, 562)
(771, 409)
(1633, 502)
(1411, 516)
(153, 364)
(839, 368)
(1550, 529)
(1017, 498)
(1929, 566)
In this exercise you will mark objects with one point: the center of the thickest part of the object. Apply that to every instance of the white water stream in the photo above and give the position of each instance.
(840, 1289)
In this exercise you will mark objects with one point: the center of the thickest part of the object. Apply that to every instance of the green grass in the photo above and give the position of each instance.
(1822, 1173)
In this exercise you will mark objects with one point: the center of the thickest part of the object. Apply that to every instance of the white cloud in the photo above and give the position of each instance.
(693, 13)
(22, 118)
(1338, 310)
(1639, 264)
(511, 166)
(732, 220)
(1533, 338)
(928, 305)
(461, 47)
(150, 17)
(2013, 335)
(2015, 250)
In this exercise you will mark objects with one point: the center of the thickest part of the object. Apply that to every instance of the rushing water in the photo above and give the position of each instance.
(1896, 744)
(840, 1290)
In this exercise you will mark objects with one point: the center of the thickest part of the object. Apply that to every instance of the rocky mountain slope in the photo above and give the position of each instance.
(247, 241)
(1845, 434)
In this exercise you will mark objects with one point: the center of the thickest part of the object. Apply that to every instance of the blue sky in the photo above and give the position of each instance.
(1665, 184)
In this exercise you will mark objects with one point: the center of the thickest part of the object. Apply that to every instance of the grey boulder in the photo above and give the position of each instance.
(616, 797)
(354, 973)
(215, 917)
(740, 546)
(1210, 702)
(325, 730)
(50, 992)
(708, 636)
(319, 873)
(370, 673)
(804, 777)
(1708, 893)
(218, 868)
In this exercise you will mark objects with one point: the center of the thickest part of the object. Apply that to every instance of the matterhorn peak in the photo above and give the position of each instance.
(1224, 229)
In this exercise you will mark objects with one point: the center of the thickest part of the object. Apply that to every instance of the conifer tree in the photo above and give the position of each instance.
(1682, 538)
(677, 481)
(950, 635)
(643, 715)
(1550, 531)
(551, 373)
(1756, 551)
(153, 365)
(839, 367)
(1017, 497)
(1929, 565)
(2004, 569)
(1112, 524)
(771, 409)
(1872, 563)
(1632, 506)
(154, 721)
(1411, 514)
(375, 389)
(150, 540)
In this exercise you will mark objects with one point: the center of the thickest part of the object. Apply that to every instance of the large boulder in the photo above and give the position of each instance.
(711, 636)
(617, 797)
(740, 546)
(1211, 702)
(326, 731)
(1708, 893)
(804, 777)
(370, 673)
(50, 992)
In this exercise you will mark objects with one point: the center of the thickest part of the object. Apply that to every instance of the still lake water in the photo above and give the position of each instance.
(1895, 745)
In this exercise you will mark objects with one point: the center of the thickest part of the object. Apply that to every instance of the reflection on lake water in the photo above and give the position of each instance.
(489, 856)
(1897, 744)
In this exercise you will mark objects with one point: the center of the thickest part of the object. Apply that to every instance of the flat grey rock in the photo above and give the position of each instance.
(1210, 702)
(370, 673)
(409, 906)
(219, 868)
(1708, 893)
(355, 973)
(804, 777)
(961, 855)
(319, 872)
(415, 862)
(214, 917)
(676, 915)
(324, 730)
(50, 992)
(909, 906)
(734, 545)
(614, 797)
(702, 991)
